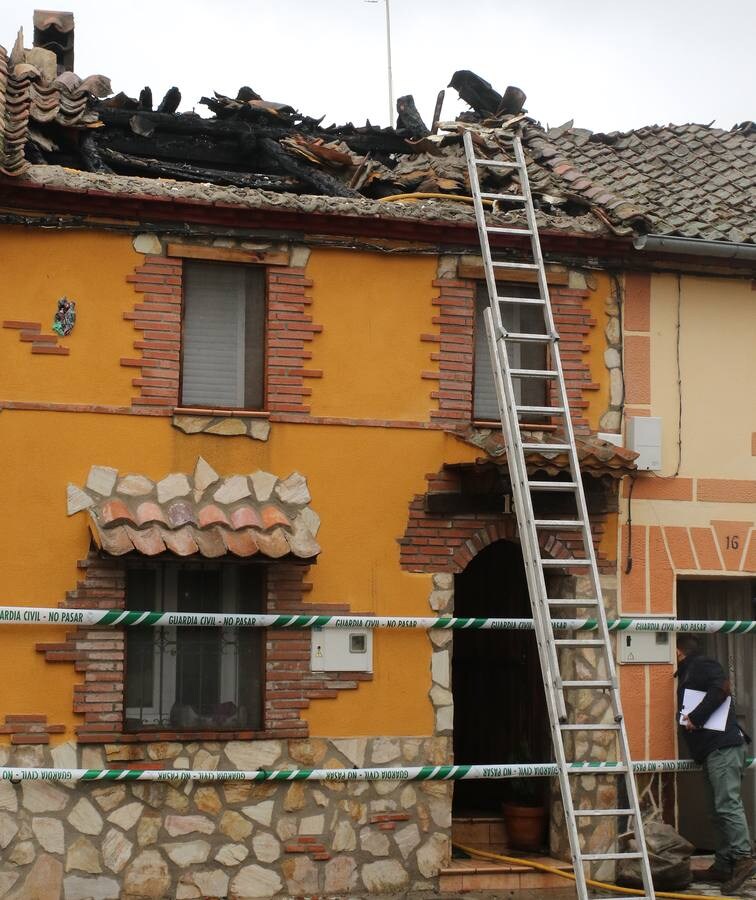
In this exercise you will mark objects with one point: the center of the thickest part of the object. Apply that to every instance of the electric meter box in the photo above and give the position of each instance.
(645, 646)
(341, 650)
(644, 435)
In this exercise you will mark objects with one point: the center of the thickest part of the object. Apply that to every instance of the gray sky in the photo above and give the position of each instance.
(609, 64)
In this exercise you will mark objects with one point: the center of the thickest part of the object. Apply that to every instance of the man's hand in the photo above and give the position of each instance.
(687, 724)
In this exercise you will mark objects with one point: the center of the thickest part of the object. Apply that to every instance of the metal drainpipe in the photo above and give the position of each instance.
(695, 247)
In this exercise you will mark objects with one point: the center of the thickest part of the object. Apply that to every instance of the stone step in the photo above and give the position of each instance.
(464, 875)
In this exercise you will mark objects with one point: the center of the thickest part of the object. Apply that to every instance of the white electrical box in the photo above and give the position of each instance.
(644, 436)
(645, 646)
(341, 650)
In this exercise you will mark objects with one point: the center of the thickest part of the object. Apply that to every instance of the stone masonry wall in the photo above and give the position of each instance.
(104, 840)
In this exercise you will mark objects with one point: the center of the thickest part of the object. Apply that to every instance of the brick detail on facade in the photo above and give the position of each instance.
(29, 729)
(157, 316)
(99, 654)
(456, 345)
(454, 354)
(289, 330)
(289, 333)
(441, 543)
(574, 321)
(31, 332)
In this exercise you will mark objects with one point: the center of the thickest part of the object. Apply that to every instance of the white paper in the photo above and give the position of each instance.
(717, 721)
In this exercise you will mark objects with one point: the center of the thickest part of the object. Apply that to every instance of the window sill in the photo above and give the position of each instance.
(155, 737)
(209, 411)
(223, 422)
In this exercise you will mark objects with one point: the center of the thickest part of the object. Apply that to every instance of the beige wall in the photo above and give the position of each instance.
(698, 521)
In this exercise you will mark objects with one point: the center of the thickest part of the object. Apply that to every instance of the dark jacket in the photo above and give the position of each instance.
(700, 673)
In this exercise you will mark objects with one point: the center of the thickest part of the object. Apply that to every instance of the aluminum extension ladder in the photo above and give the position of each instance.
(505, 347)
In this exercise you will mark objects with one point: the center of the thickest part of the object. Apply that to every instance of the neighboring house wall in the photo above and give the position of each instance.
(696, 516)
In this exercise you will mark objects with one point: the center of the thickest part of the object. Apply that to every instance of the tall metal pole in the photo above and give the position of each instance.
(388, 52)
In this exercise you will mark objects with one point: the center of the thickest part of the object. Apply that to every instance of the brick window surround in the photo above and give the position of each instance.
(157, 317)
(99, 655)
(455, 350)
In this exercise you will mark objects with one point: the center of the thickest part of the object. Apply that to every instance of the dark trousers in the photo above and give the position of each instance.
(724, 769)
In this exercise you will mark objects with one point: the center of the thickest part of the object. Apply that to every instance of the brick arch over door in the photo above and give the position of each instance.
(447, 543)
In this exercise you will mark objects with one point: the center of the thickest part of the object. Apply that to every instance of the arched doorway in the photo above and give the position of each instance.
(499, 707)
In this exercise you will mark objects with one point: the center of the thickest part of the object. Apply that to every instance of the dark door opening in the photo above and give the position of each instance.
(719, 599)
(499, 706)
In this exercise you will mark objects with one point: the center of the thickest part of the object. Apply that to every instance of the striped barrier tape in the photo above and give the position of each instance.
(27, 615)
(410, 773)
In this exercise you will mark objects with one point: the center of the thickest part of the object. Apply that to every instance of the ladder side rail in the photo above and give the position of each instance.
(545, 646)
(535, 242)
(480, 220)
(523, 506)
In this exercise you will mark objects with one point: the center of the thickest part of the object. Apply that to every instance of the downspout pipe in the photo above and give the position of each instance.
(660, 243)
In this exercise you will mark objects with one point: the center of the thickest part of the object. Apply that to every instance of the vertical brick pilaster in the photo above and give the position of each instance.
(289, 331)
(574, 321)
(158, 318)
(455, 320)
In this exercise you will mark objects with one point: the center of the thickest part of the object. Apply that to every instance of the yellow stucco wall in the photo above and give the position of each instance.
(598, 401)
(38, 267)
(373, 309)
(361, 478)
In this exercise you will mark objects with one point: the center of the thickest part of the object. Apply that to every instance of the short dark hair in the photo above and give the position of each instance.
(688, 644)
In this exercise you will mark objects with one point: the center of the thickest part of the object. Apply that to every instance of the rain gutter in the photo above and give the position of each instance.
(659, 243)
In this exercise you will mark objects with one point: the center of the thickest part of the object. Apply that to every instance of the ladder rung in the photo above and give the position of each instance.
(523, 301)
(549, 448)
(515, 197)
(568, 563)
(496, 163)
(580, 683)
(527, 337)
(631, 855)
(578, 642)
(552, 485)
(559, 524)
(501, 229)
(532, 373)
(589, 770)
(608, 726)
(542, 410)
(624, 897)
(563, 601)
(511, 265)
(604, 812)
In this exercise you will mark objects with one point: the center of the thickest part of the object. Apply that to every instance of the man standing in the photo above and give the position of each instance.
(722, 754)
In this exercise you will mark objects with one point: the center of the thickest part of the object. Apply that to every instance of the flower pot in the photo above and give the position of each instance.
(526, 826)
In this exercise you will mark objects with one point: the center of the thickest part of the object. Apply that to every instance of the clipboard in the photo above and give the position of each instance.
(717, 721)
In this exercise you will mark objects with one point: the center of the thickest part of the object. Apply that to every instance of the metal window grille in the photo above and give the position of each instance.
(187, 678)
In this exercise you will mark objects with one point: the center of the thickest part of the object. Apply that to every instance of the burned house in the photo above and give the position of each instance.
(244, 373)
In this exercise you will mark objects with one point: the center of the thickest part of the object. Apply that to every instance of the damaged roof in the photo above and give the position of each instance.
(689, 180)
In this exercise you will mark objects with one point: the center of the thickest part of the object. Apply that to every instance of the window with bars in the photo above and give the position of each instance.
(223, 343)
(194, 679)
(528, 392)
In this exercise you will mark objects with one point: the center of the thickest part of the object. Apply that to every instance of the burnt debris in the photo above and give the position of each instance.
(48, 115)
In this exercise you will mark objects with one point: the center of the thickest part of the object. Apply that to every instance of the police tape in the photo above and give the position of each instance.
(28, 615)
(410, 773)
